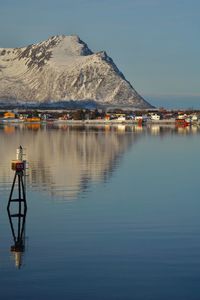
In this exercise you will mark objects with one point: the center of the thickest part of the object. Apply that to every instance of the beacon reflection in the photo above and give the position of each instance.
(17, 225)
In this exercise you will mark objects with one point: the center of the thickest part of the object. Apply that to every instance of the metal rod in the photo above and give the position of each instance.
(12, 188)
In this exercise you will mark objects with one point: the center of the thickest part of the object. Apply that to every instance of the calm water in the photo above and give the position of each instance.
(113, 213)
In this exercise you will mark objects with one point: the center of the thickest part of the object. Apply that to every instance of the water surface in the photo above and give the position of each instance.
(113, 213)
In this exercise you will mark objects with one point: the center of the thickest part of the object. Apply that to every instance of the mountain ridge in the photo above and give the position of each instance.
(63, 68)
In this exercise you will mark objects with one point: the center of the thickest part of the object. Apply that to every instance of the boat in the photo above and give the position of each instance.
(182, 122)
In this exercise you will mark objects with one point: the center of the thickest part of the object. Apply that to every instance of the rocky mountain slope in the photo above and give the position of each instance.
(63, 68)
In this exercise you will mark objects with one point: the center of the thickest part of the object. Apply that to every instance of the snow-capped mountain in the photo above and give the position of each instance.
(63, 68)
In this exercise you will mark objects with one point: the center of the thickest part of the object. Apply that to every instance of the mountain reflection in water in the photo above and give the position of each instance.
(63, 160)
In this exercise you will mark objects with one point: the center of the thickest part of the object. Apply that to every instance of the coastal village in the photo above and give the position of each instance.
(99, 116)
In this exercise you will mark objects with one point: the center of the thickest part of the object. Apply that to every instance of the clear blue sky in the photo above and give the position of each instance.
(155, 43)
